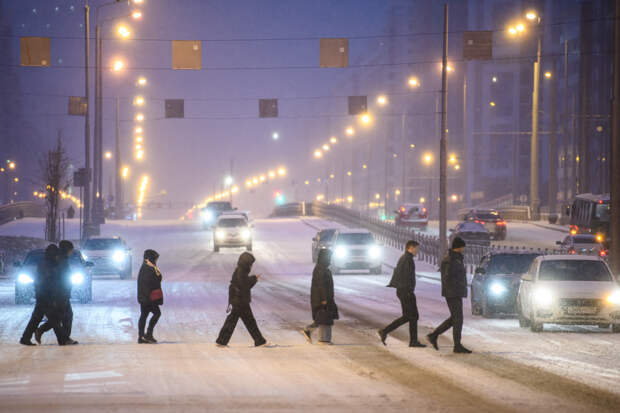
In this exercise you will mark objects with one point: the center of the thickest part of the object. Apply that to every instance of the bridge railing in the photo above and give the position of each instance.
(17, 210)
(395, 236)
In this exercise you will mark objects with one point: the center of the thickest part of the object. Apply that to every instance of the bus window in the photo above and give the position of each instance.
(601, 212)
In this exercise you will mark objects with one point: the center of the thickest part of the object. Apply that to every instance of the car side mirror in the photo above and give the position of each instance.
(480, 271)
(89, 264)
(527, 277)
(558, 243)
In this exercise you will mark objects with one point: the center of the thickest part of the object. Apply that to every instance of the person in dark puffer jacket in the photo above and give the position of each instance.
(149, 281)
(239, 299)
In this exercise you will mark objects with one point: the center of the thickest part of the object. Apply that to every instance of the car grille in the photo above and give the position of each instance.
(581, 302)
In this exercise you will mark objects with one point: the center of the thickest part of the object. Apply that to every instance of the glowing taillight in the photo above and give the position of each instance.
(603, 253)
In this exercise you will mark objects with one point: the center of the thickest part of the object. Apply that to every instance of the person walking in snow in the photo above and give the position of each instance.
(403, 279)
(324, 309)
(454, 289)
(239, 299)
(150, 296)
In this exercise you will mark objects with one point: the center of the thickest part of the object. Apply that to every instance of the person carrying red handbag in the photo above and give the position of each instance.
(150, 296)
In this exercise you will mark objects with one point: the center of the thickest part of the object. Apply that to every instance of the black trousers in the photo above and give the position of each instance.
(43, 309)
(145, 310)
(243, 312)
(64, 314)
(455, 304)
(410, 315)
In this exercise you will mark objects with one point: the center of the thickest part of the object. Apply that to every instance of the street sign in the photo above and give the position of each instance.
(35, 51)
(186, 54)
(175, 108)
(334, 52)
(268, 108)
(358, 105)
(81, 177)
(478, 45)
(77, 106)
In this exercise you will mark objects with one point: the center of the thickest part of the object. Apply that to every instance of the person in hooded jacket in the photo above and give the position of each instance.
(150, 296)
(324, 309)
(62, 295)
(239, 299)
(44, 294)
(403, 279)
(454, 289)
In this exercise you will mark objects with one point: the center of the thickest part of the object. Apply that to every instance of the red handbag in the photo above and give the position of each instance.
(157, 294)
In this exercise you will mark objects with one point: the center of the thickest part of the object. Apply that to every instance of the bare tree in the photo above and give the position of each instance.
(54, 166)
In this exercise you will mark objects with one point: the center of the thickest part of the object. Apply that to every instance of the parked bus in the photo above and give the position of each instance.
(590, 214)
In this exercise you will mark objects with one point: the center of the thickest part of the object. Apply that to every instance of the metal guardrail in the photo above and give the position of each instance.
(20, 210)
(394, 236)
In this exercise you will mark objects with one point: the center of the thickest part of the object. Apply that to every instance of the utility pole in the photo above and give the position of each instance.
(98, 155)
(443, 193)
(118, 186)
(87, 118)
(614, 232)
(534, 168)
(403, 190)
(553, 147)
(565, 124)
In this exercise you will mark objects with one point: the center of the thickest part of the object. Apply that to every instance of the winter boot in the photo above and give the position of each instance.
(382, 336)
(433, 340)
(26, 342)
(416, 344)
(37, 335)
(459, 348)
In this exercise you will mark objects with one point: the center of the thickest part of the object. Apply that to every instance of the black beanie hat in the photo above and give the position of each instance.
(151, 255)
(457, 242)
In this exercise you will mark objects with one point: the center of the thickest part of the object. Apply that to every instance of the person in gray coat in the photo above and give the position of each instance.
(324, 308)
(454, 289)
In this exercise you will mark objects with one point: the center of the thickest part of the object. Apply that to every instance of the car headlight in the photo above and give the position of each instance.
(340, 252)
(374, 252)
(245, 234)
(497, 288)
(77, 278)
(207, 216)
(84, 256)
(118, 256)
(24, 278)
(614, 298)
(220, 234)
(543, 297)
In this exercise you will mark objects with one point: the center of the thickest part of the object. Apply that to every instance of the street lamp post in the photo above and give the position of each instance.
(534, 170)
(118, 184)
(86, 119)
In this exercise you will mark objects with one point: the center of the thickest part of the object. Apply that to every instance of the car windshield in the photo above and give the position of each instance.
(488, 216)
(34, 258)
(510, 263)
(356, 238)
(102, 244)
(327, 235)
(585, 239)
(573, 270)
(76, 257)
(232, 222)
(602, 212)
(219, 206)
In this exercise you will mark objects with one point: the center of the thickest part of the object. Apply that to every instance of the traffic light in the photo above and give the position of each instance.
(279, 197)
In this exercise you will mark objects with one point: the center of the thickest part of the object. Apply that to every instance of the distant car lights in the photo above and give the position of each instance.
(24, 278)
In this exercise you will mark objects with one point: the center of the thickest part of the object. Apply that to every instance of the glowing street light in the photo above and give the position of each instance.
(333, 140)
(349, 173)
(139, 117)
(382, 100)
(125, 172)
(108, 155)
(136, 15)
(271, 174)
(413, 82)
(123, 31)
(326, 147)
(141, 81)
(492, 104)
(139, 101)
(275, 136)
(350, 131)
(138, 1)
(139, 129)
(140, 154)
(366, 119)
(318, 154)
(531, 15)
(331, 176)
(118, 65)
(427, 158)
(12, 165)
(281, 171)
(452, 158)
(228, 181)
(139, 139)
(548, 75)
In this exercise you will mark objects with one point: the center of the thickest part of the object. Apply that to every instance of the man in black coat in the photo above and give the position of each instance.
(454, 289)
(62, 294)
(44, 293)
(239, 298)
(403, 279)
(324, 308)
(150, 296)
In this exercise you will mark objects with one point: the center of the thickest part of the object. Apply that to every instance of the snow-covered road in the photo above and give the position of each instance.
(512, 369)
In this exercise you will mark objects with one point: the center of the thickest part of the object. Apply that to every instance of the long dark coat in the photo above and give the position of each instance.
(148, 280)
(403, 277)
(240, 289)
(45, 286)
(322, 289)
(453, 276)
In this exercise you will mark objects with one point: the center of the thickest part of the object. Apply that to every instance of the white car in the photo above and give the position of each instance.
(110, 255)
(232, 231)
(569, 289)
(355, 249)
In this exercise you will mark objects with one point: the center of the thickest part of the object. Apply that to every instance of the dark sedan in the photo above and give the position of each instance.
(495, 285)
(81, 277)
(322, 239)
(491, 220)
(472, 233)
